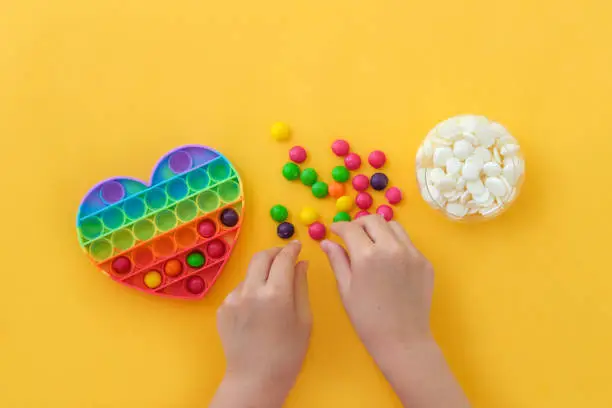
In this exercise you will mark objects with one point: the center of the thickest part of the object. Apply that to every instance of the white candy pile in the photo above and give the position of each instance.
(470, 167)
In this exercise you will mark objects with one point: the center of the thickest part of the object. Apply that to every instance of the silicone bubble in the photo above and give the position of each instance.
(219, 170)
(122, 239)
(163, 246)
(177, 189)
(143, 256)
(144, 230)
(229, 191)
(134, 208)
(186, 210)
(101, 249)
(156, 198)
(91, 227)
(186, 237)
(198, 180)
(165, 220)
(113, 218)
(208, 201)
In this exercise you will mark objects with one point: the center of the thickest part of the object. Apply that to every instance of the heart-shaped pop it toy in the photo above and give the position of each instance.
(169, 238)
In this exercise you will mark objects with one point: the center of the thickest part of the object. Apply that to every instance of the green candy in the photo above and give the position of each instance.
(340, 174)
(320, 189)
(196, 259)
(291, 171)
(342, 216)
(309, 177)
(279, 213)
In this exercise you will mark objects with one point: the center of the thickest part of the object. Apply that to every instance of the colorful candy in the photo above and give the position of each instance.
(152, 279)
(364, 200)
(377, 159)
(297, 154)
(195, 285)
(215, 248)
(320, 189)
(317, 231)
(340, 174)
(285, 230)
(344, 203)
(352, 161)
(393, 195)
(291, 171)
(361, 213)
(280, 131)
(279, 213)
(196, 259)
(336, 190)
(342, 216)
(121, 265)
(340, 147)
(309, 176)
(207, 228)
(379, 181)
(173, 267)
(308, 215)
(361, 182)
(229, 217)
(385, 211)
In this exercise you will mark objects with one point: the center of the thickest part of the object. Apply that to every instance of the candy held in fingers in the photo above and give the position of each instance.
(364, 200)
(385, 211)
(280, 131)
(297, 154)
(377, 159)
(285, 230)
(361, 182)
(379, 181)
(393, 195)
(317, 231)
(361, 213)
(342, 216)
(352, 161)
(340, 147)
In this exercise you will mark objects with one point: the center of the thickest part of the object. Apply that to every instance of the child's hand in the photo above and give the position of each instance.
(265, 326)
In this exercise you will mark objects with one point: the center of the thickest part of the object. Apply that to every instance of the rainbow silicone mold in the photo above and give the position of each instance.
(136, 233)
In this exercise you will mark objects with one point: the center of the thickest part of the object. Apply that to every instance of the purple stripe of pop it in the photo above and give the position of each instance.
(199, 156)
(149, 188)
(109, 232)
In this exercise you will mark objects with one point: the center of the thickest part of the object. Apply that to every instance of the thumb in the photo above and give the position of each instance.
(339, 261)
(302, 301)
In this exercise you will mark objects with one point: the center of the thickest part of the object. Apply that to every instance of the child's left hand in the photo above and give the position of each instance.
(265, 326)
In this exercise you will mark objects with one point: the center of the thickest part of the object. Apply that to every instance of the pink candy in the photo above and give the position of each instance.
(394, 195)
(361, 213)
(364, 200)
(377, 159)
(361, 182)
(340, 147)
(297, 154)
(352, 161)
(317, 231)
(385, 211)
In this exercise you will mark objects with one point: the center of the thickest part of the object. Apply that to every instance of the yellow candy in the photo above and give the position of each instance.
(280, 131)
(152, 279)
(344, 203)
(308, 215)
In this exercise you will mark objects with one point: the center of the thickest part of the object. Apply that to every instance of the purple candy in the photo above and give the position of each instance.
(180, 162)
(229, 217)
(112, 191)
(285, 230)
(379, 181)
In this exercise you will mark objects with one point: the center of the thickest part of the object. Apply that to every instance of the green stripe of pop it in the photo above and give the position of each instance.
(235, 179)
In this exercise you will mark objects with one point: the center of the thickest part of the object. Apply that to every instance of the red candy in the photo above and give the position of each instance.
(361, 182)
(121, 265)
(393, 195)
(196, 285)
(385, 211)
(361, 213)
(215, 248)
(297, 154)
(364, 200)
(340, 147)
(317, 231)
(207, 228)
(377, 159)
(352, 161)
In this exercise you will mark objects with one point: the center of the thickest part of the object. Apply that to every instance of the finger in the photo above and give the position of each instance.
(234, 295)
(353, 235)
(339, 261)
(259, 269)
(376, 227)
(400, 233)
(282, 270)
(302, 301)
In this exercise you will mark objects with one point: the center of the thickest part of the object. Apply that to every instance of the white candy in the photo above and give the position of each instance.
(482, 153)
(441, 155)
(509, 150)
(471, 168)
(496, 186)
(462, 149)
(435, 175)
(456, 209)
(492, 169)
(447, 183)
(453, 166)
(476, 187)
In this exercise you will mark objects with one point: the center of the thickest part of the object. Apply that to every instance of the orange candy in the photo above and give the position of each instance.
(336, 190)
(173, 267)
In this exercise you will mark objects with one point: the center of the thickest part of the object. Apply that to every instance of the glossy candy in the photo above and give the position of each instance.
(121, 265)
(344, 203)
(152, 279)
(279, 213)
(379, 181)
(229, 217)
(285, 230)
(215, 248)
(308, 215)
(280, 131)
(364, 200)
(361, 182)
(385, 211)
(297, 154)
(342, 216)
(336, 190)
(361, 213)
(320, 189)
(196, 285)
(196, 259)
(207, 228)
(340, 147)
(309, 176)
(393, 195)
(377, 159)
(352, 161)
(291, 171)
(317, 231)
(173, 268)
(340, 174)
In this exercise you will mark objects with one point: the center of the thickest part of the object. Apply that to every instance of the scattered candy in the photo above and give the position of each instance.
(173, 267)
(379, 181)
(229, 217)
(279, 213)
(340, 174)
(364, 200)
(393, 195)
(340, 147)
(385, 211)
(207, 228)
(309, 177)
(352, 161)
(215, 248)
(361, 182)
(195, 285)
(152, 279)
(121, 265)
(308, 215)
(377, 159)
(320, 189)
(297, 154)
(342, 216)
(291, 171)
(280, 131)
(285, 230)
(196, 259)
(317, 231)
(361, 213)
(344, 203)
(336, 190)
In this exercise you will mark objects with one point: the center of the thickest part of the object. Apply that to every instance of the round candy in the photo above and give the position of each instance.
(297, 154)
(320, 189)
(352, 161)
(207, 228)
(361, 213)
(342, 216)
(152, 279)
(121, 265)
(393, 195)
(279, 213)
(196, 259)
(340, 174)
(195, 285)
(361, 182)
(344, 203)
(308, 215)
(340, 147)
(280, 131)
(291, 171)
(336, 190)
(309, 177)
(285, 230)
(377, 159)
(317, 231)
(215, 248)
(379, 181)
(364, 200)
(229, 217)
(173, 267)
(385, 211)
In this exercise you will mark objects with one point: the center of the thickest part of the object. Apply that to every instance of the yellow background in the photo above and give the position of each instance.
(93, 89)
